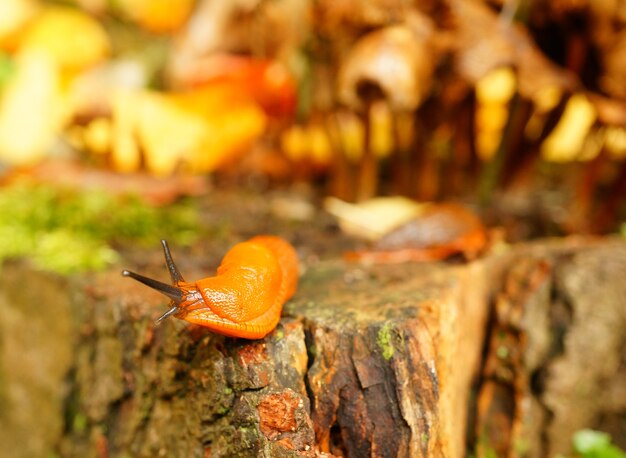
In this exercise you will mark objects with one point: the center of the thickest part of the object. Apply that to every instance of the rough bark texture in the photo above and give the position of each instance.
(555, 358)
(367, 361)
(392, 354)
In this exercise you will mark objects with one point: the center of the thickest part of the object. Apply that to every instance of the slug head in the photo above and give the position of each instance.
(181, 293)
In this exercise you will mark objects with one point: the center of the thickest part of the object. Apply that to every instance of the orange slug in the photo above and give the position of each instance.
(244, 299)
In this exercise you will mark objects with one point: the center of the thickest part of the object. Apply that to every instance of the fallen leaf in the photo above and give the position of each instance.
(438, 232)
(565, 142)
(373, 218)
(74, 40)
(198, 131)
(32, 109)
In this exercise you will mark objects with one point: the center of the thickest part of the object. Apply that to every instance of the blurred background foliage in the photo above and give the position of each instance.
(515, 107)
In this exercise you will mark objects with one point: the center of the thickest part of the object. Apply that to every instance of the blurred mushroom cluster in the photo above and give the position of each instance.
(436, 100)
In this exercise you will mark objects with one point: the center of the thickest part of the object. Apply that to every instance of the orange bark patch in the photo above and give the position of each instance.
(277, 413)
(253, 353)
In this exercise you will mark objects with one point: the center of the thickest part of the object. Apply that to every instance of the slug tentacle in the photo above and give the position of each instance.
(172, 311)
(174, 293)
(171, 265)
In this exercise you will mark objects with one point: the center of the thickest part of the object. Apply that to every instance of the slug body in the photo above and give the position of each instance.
(245, 298)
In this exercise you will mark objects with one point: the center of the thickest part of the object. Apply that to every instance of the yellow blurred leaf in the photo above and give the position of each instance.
(97, 135)
(493, 94)
(161, 16)
(300, 143)
(32, 109)
(491, 118)
(197, 131)
(294, 142)
(565, 142)
(14, 14)
(170, 134)
(351, 135)
(497, 86)
(615, 141)
(373, 218)
(125, 153)
(73, 39)
(321, 150)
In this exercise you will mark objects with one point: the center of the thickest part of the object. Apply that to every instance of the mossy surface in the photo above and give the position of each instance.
(384, 341)
(66, 231)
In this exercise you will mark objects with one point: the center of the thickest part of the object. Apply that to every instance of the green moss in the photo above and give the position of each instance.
(7, 68)
(79, 424)
(521, 446)
(384, 339)
(248, 437)
(66, 231)
(595, 444)
(502, 352)
(223, 410)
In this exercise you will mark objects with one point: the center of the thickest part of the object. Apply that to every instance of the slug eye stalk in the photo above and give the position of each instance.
(173, 292)
(171, 265)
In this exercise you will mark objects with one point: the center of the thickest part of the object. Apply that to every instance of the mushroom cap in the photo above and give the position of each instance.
(393, 63)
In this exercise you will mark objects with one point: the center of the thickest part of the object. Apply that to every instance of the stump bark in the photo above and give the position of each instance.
(367, 361)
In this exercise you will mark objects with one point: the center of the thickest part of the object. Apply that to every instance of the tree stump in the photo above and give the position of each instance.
(392, 353)
(367, 361)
